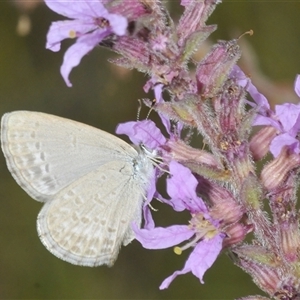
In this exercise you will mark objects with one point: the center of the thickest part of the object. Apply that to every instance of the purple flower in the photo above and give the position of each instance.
(206, 237)
(146, 132)
(286, 119)
(200, 260)
(90, 25)
(288, 115)
(142, 132)
(207, 240)
(262, 105)
(181, 187)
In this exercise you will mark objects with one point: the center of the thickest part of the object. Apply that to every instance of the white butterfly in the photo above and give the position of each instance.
(93, 184)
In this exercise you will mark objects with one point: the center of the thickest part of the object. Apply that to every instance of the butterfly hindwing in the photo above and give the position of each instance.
(87, 224)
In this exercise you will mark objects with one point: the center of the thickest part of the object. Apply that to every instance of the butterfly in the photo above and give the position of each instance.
(92, 183)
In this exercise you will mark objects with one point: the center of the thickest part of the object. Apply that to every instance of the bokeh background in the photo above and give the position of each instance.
(103, 96)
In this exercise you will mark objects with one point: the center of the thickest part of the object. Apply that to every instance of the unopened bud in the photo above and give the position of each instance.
(275, 173)
(254, 297)
(260, 142)
(268, 279)
(228, 211)
(235, 234)
(214, 69)
(290, 240)
(182, 152)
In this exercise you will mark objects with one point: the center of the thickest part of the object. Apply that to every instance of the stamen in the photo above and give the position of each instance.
(178, 250)
(72, 34)
(202, 228)
(250, 32)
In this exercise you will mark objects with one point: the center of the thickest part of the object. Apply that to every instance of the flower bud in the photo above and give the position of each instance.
(214, 69)
(198, 161)
(236, 233)
(237, 153)
(227, 211)
(290, 240)
(268, 279)
(193, 20)
(260, 142)
(275, 173)
(182, 152)
(254, 297)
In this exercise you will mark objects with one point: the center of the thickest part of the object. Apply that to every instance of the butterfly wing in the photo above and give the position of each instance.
(87, 178)
(86, 222)
(46, 153)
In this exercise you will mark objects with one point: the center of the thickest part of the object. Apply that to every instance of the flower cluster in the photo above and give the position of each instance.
(219, 186)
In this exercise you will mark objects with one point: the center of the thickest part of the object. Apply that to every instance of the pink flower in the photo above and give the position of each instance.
(91, 23)
(286, 119)
(142, 132)
(288, 115)
(206, 239)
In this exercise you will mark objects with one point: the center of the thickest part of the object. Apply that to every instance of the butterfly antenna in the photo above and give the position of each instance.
(152, 105)
(139, 110)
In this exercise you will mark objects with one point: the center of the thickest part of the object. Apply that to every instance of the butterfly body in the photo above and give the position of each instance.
(93, 184)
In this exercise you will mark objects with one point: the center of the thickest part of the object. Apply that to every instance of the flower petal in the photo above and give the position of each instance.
(263, 120)
(237, 74)
(288, 114)
(284, 140)
(61, 30)
(181, 187)
(200, 260)
(259, 98)
(161, 238)
(158, 88)
(165, 284)
(75, 53)
(78, 9)
(158, 92)
(245, 82)
(149, 222)
(204, 255)
(142, 132)
(117, 23)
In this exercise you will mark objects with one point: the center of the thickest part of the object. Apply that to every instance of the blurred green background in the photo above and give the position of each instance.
(103, 96)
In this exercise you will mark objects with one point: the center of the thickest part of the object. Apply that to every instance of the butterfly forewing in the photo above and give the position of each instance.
(93, 184)
(45, 153)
